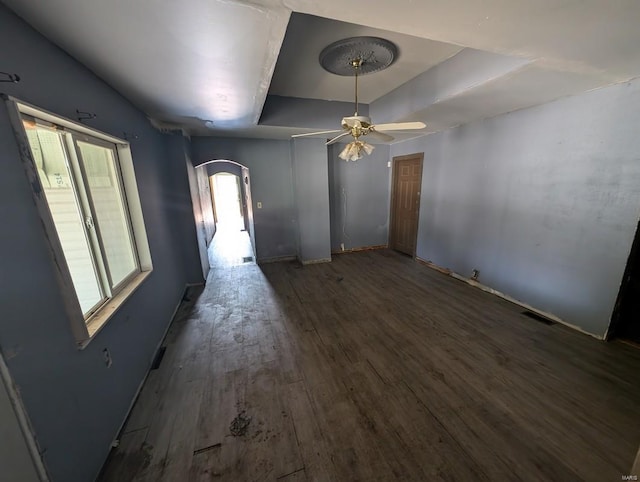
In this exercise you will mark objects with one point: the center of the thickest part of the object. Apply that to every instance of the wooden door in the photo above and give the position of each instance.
(405, 202)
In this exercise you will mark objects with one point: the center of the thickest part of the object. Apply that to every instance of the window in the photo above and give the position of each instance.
(87, 189)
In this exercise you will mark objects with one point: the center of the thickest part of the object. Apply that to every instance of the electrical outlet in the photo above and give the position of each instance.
(341, 246)
(259, 204)
(474, 274)
(389, 164)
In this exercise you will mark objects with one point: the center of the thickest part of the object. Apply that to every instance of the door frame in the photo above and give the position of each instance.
(633, 264)
(213, 199)
(244, 173)
(20, 430)
(245, 186)
(395, 163)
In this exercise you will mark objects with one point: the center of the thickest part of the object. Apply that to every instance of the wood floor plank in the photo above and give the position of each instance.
(205, 465)
(314, 449)
(179, 453)
(130, 458)
(374, 367)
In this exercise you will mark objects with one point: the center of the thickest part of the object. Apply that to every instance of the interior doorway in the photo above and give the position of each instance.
(227, 201)
(625, 322)
(234, 242)
(405, 203)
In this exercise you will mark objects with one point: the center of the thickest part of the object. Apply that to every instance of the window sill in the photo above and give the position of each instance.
(111, 307)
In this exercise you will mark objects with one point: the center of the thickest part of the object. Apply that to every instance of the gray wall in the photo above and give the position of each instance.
(216, 167)
(75, 402)
(543, 201)
(359, 199)
(185, 207)
(366, 183)
(311, 179)
(269, 163)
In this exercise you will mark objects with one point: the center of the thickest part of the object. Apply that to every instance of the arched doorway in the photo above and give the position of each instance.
(234, 239)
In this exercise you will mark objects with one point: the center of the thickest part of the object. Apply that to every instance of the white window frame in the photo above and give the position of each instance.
(84, 330)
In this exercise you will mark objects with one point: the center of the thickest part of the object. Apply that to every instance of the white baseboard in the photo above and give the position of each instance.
(276, 259)
(362, 248)
(316, 261)
(504, 296)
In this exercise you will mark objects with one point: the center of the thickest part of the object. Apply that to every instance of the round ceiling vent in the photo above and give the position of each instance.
(374, 53)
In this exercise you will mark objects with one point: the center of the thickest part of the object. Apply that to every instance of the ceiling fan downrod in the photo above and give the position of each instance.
(356, 63)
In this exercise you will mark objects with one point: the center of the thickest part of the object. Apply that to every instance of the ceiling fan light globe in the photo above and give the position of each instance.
(367, 148)
(355, 150)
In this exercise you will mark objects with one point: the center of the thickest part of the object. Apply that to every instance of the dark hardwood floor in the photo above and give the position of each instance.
(374, 367)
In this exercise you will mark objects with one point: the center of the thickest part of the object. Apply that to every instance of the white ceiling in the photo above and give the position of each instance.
(189, 62)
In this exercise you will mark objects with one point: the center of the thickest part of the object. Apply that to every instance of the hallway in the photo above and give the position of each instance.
(230, 246)
(373, 367)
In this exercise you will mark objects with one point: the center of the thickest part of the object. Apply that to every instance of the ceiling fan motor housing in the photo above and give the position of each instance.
(356, 120)
(358, 125)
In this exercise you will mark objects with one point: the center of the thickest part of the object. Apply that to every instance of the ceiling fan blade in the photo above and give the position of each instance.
(316, 133)
(400, 126)
(337, 138)
(380, 135)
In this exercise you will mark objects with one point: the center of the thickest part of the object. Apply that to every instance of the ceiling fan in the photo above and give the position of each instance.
(359, 125)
